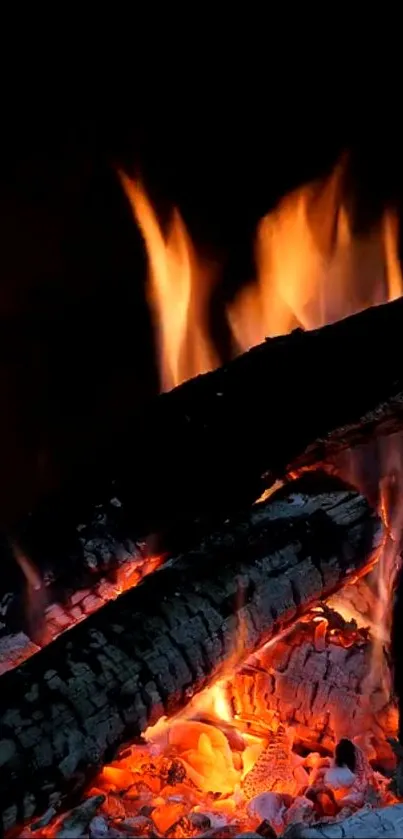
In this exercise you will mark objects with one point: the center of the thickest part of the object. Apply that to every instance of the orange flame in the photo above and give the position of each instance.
(312, 269)
(178, 292)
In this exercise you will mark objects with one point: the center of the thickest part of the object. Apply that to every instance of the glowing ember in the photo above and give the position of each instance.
(312, 269)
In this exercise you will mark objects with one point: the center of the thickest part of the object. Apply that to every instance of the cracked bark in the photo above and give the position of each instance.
(65, 711)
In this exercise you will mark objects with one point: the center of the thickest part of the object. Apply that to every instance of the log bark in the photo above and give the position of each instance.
(365, 824)
(324, 690)
(65, 711)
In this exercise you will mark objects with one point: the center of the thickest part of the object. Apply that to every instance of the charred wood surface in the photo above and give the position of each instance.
(65, 711)
(211, 446)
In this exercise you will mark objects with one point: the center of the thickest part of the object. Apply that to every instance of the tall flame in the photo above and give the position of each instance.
(312, 269)
(178, 292)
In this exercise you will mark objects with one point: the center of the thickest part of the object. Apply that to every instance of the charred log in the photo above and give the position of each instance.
(211, 446)
(65, 711)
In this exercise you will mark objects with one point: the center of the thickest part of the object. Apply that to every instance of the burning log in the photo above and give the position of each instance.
(319, 679)
(216, 442)
(66, 710)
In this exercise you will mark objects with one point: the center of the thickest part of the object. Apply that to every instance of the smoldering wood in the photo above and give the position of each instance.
(66, 710)
(211, 446)
(365, 824)
(324, 690)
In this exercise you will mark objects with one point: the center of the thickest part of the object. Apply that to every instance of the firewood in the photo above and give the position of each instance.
(365, 824)
(65, 711)
(212, 445)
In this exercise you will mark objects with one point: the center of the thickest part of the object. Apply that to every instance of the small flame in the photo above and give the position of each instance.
(36, 598)
(178, 291)
(28, 568)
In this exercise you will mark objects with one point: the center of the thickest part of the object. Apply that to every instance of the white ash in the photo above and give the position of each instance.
(301, 810)
(385, 823)
(338, 777)
(268, 806)
(98, 828)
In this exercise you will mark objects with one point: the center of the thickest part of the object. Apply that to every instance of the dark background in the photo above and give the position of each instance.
(76, 356)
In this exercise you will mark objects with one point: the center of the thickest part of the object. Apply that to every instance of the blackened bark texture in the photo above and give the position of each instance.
(65, 711)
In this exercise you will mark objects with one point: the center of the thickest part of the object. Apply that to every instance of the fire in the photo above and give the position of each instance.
(311, 267)
(179, 285)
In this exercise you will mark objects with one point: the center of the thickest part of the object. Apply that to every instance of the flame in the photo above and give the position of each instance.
(311, 267)
(179, 285)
